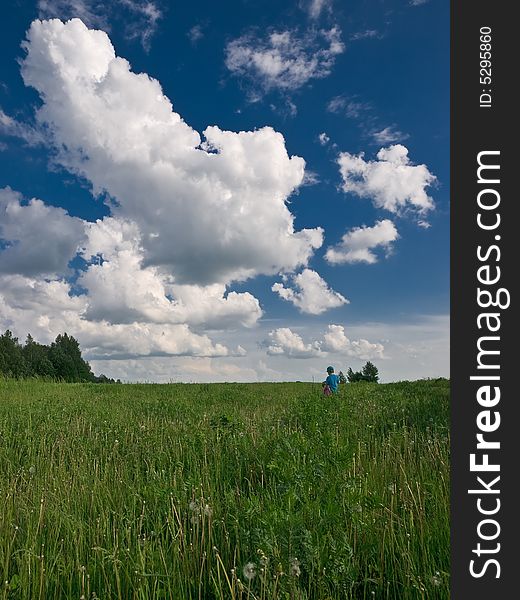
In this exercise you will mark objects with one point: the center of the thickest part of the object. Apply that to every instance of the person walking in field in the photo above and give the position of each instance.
(331, 384)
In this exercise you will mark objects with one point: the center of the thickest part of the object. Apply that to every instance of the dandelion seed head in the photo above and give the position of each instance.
(32, 470)
(295, 570)
(249, 570)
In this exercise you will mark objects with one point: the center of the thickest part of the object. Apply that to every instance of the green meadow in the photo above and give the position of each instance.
(224, 491)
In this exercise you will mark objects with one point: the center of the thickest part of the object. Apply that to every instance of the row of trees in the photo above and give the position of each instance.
(61, 360)
(369, 373)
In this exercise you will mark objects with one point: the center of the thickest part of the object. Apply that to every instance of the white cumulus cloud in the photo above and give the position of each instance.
(336, 342)
(47, 308)
(189, 214)
(284, 342)
(358, 243)
(392, 181)
(208, 212)
(310, 293)
(122, 290)
(37, 239)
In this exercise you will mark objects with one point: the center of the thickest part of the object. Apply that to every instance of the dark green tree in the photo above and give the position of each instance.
(12, 362)
(37, 359)
(353, 376)
(342, 378)
(370, 373)
(65, 356)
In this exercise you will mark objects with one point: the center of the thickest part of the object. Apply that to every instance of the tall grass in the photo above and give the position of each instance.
(224, 491)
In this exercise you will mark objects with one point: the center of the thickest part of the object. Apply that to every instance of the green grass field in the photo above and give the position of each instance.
(224, 491)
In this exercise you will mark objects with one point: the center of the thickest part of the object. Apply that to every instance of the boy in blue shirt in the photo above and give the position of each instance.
(330, 385)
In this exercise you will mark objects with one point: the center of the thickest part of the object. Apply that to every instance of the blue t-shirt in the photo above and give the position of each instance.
(332, 381)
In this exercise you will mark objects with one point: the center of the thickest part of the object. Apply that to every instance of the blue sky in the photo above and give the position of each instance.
(159, 249)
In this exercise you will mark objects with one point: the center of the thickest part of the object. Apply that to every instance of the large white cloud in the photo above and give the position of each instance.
(310, 293)
(285, 342)
(47, 308)
(209, 213)
(122, 290)
(392, 182)
(188, 216)
(118, 304)
(358, 243)
(38, 239)
(284, 60)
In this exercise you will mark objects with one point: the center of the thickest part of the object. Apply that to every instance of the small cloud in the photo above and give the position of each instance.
(337, 104)
(310, 178)
(195, 34)
(314, 8)
(357, 245)
(310, 293)
(392, 181)
(283, 60)
(351, 107)
(366, 34)
(423, 224)
(324, 139)
(145, 18)
(12, 128)
(92, 12)
(389, 135)
(140, 22)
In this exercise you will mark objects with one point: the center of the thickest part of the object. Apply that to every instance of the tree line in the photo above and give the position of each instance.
(61, 360)
(369, 373)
